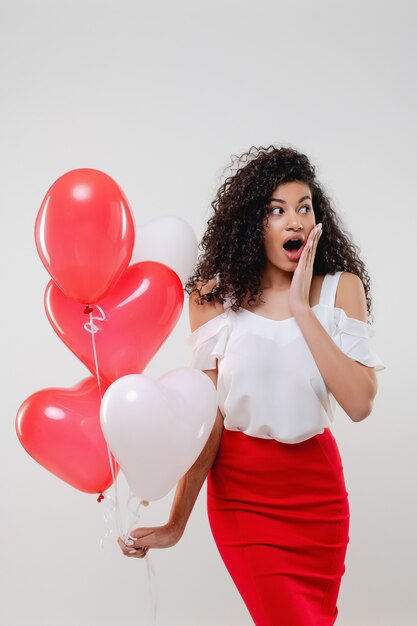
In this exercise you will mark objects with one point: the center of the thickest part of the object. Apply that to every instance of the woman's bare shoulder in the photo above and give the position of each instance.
(351, 296)
(200, 313)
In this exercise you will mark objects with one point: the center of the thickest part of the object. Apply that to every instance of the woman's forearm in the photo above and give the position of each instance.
(348, 381)
(190, 484)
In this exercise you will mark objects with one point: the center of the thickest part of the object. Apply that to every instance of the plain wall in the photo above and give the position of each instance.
(159, 96)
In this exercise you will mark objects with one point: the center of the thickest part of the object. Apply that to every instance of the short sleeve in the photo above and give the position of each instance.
(208, 342)
(354, 338)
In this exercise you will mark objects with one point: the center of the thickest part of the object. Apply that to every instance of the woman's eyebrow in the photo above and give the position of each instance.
(283, 201)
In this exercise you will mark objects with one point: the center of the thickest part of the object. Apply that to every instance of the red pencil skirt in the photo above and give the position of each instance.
(279, 514)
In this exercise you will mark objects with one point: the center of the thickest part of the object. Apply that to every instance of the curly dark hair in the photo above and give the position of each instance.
(233, 241)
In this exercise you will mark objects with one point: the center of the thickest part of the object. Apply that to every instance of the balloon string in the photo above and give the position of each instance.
(152, 581)
(92, 328)
(109, 517)
(132, 522)
(112, 515)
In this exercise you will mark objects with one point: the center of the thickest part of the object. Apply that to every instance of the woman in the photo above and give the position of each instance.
(276, 496)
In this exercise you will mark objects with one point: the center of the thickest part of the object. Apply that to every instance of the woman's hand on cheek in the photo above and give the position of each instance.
(301, 281)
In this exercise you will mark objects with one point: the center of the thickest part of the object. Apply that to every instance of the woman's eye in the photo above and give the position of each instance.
(278, 208)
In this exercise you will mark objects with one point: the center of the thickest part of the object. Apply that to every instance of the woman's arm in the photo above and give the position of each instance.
(353, 384)
(186, 493)
(189, 485)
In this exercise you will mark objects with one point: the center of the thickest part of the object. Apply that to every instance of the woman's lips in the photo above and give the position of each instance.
(294, 255)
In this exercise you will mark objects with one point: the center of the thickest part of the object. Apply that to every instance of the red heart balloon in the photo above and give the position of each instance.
(84, 233)
(60, 428)
(140, 313)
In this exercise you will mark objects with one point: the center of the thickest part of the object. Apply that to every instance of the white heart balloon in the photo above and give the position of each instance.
(169, 240)
(156, 429)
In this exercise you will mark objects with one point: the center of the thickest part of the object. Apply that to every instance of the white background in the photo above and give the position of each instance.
(159, 97)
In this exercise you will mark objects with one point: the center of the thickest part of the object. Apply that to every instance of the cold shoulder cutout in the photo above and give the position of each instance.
(208, 341)
(353, 337)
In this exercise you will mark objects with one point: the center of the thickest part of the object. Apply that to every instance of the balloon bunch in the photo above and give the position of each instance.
(114, 317)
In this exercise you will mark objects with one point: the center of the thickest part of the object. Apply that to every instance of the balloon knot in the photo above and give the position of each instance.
(100, 498)
(88, 309)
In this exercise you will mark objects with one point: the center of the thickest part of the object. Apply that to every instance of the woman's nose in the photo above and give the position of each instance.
(295, 223)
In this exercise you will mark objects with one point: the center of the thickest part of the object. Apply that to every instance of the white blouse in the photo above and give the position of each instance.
(269, 385)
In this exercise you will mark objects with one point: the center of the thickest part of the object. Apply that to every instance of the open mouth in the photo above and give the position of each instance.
(293, 249)
(292, 244)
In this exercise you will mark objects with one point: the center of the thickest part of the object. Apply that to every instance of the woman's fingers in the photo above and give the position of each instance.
(141, 536)
(312, 246)
(138, 552)
(125, 549)
(139, 533)
(163, 536)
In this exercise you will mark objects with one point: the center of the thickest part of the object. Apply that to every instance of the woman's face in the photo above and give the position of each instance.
(290, 216)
